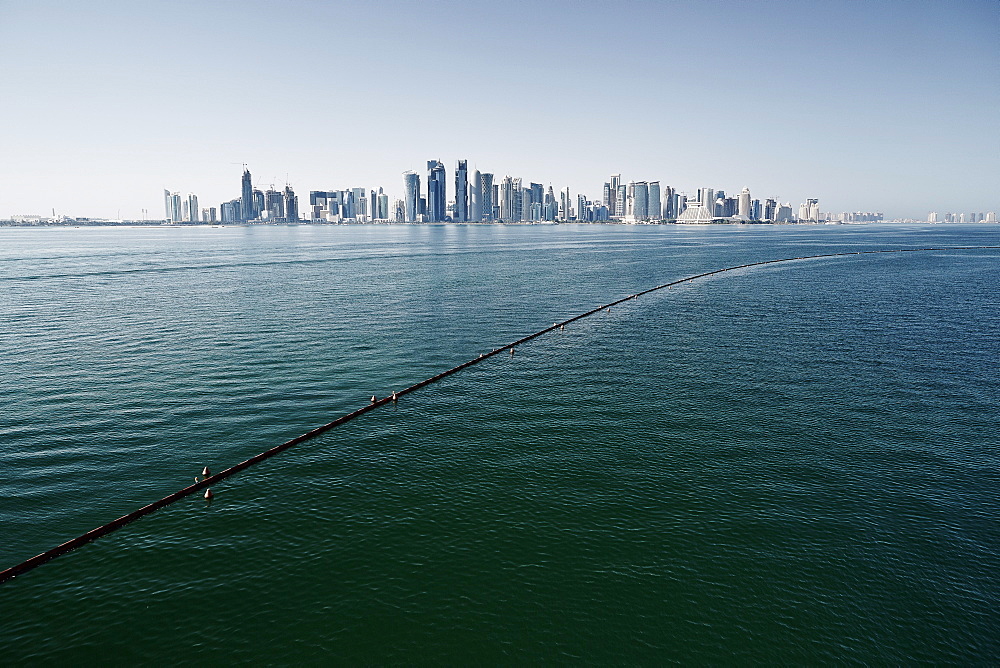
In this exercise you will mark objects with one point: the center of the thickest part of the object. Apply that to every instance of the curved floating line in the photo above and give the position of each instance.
(114, 525)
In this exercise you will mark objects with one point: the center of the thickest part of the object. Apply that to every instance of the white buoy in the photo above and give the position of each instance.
(393, 397)
(374, 399)
(208, 495)
(205, 472)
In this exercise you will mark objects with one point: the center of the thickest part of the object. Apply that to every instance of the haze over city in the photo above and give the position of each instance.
(885, 106)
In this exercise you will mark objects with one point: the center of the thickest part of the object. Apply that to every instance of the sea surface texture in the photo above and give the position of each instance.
(796, 463)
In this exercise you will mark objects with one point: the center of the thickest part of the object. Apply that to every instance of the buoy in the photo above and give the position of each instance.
(205, 472)
(511, 352)
(208, 495)
(374, 399)
(393, 397)
(196, 478)
(562, 327)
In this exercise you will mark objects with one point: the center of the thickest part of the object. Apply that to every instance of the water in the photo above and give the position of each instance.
(795, 463)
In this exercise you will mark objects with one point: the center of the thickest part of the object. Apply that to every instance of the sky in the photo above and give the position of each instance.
(868, 105)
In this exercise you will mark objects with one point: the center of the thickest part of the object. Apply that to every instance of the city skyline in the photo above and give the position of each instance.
(877, 106)
(511, 200)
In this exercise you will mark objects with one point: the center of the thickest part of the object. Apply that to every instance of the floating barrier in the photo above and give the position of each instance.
(375, 402)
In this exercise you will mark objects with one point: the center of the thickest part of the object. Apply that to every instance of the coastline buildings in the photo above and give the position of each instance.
(480, 198)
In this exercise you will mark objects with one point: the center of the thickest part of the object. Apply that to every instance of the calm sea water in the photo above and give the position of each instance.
(796, 463)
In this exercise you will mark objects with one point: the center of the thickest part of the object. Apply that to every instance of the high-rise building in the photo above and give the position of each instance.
(565, 206)
(783, 212)
(435, 191)
(621, 200)
(537, 193)
(476, 197)
(614, 206)
(382, 206)
(809, 210)
(258, 204)
(231, 211)
(640, 200)
(582, 208)
(247, 199)
(192, 208)
(706, 197)
(510, 199)
(411, 199)
(172, 207)
(770, 209)
(654, 210)
(462, 192)
(668, 212)
(291, 205)
(744, 206)
(274, 205)
(487, 195)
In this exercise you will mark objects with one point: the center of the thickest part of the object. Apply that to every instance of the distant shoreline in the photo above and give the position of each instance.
(158, 225)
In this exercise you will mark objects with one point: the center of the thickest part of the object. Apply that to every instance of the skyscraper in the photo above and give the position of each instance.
(537, 193)
(507, 193)
(462, 192)
(291, 203)
(614, 206)
(668, 212)
(436, 201)
(172, 207)
(258, 204)
(246, 200)
(654, 211)
(411, 200)
(551, 208)
(192, 207)
(744, 209)
(274, 205)
(486, 195)
(640, 200)
(476, 195)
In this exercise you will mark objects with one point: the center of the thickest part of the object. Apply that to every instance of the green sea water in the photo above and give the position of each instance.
(795, 463)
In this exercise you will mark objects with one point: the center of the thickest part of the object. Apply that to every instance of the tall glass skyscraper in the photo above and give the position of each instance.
(615, 208)
(486, 187)
(436, 201)
(654, 211)
(476, 195)
(462, 192)
(411, 201)
(246, 198)
(640, 200)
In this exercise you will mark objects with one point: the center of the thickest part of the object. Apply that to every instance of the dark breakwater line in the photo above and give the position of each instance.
(124, 520)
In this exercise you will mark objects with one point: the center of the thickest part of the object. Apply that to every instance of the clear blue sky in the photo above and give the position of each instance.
(867, 105)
